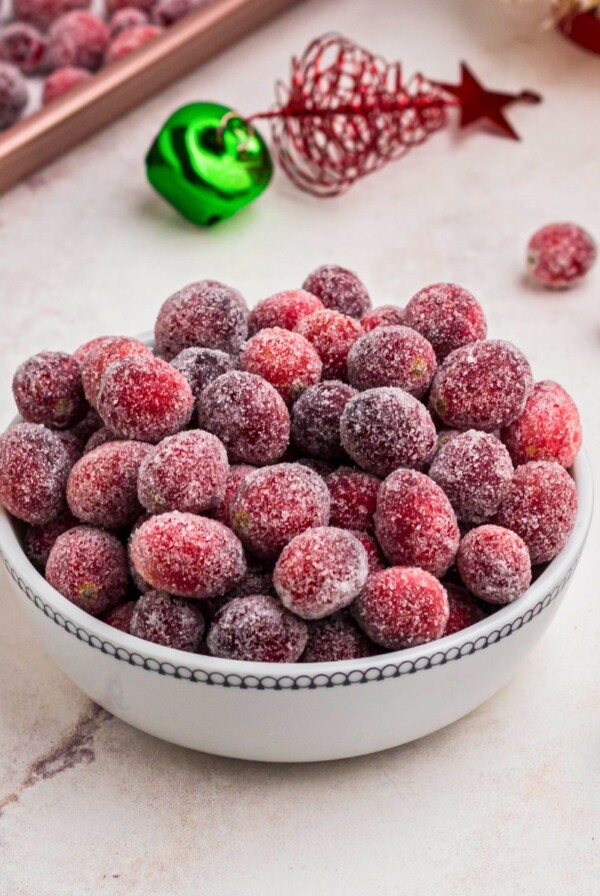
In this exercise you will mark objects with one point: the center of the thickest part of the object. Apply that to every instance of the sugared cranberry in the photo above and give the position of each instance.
(71, 443)
(392, 356)
(202, 366)
(101, 437)
(548, 429)
(320, 571)
(258, 579)
(77, 38)
(13, 95)
(187, 555)
(206, 314)
(82, 351)
(97, 359)
(167, 12)
(285, 310)
(42, 13)
(120, 616)
(86, 427)
(464, 609)
(333, 335)
(558, 255)
(257, 629)
(339, 289)
(127, 17)
(402, 607)
(34, 467)
(334, 639)
(38, 540)
(275, 504)
(102, 486)
(382, 316)
(482, 386)
(171, 621)
(236, 475)
(353, 498)
(316, 418)
(494, 564)
(248, 415)
(447, 315)
(89, 567)
(61, 81)
(415, 524)
(23, 45)
(139, 582)
(386, 428)
(113, 5)
(374, 555)
(47, 389)
(284, 359)
(323, 467)
(540, 506)
(130, 39)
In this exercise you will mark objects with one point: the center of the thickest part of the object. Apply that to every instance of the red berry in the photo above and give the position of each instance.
(248, 415)
(23, 45)
(402, 607)
(334, 639)
(482, 386)
(392, 356)
(383, 429)
(275, 504)
(383, 316)
(34, 467)
(415, 524)
(187, 555)
(257, 629)
(120, 616)
(171, 621)
(494, 564)
(127, 17)
(464, 610)
(353, 498)
(257, 580)
(186, 472)
(13, 95)
(89, 567)
(323, 467)
(47, 389)
(540, 506)
(202, 366)
(71, 443)
(102, 487)
(284, 359)
(236, 475)
(558, 255)
(42, 13)
(548, 429)
(130, 39)
(339, 289)
(374, 555)
(81, 353)
(38, 540)
(167, 12)
(144, 5)
(333, 335)
(207, 314)
(143, 397)
(61, 81)
(285, 310)
(78, 39)
(97, 359)
(139, 582)
(316, 418)
(475, 470)
(447, 315)
(320, 571)
(101, 437)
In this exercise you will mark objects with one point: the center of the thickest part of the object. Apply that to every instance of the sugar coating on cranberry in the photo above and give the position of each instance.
(235, 476)
(202, 366)
(339, 289)
(382, 316)
(332, 334)
(77, 38)
(71, 443)
(275, 504)
(447, 315)
(89, 567)
(139, 582)
(257, 629)
(386, 428)
(144, 5)
(47, 389)
(494, 564)
(42, 13)
(130, 39)
(415, 523)
(34, 467)
(320, 571)
(334, 639)
(402, 607)
(375, 558)
(87, 426)
(316, 416)
(143, 397)
(13, 94)
(540, 506)
(101, 437)
(353, 498)
(83, 350)
(258, 579)
(23, 46)
(127, 17)
(98, 358)
(248, 415)
(120, 616)
(285, 310)
(475, 470)
(548, 429)
(187, 555)
(392, 356)
(284, 359)
(171, 621)
(464, 609)
(482, 386)
(186, 472)
(61, 81)
(102, 486)
(323, 467)
(38, 540)
(206, 314)
(167, 12)
(558, 255)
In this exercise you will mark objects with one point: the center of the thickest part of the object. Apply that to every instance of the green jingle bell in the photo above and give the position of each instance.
(208, 162)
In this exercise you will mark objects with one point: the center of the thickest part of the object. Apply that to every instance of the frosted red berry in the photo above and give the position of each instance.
(139, 582)
(285, 310)
(482, 386)
(145, 5)
(13, 95)
(23, 46)
(320, 571)
(386, 428)
(34, 467)
(353, 498)
(447, 315)
(98, 358)
(382, 316)
(186, 472)
(42, 13)
(83, 350)
(248, 415)
(258, 579)
(464, 609)
(77, 38)
(167, 12)
(284, 359)
(89, 567)
(61, 81)
(143, 397)
(87, 426)
(494, 564)
(102, 486)
(333, 335)
(257, 629)
(316, 416)
(323, 467)
(171, 621)
(339, 289)
(415, 523)
(558, 255)
(130, 39)
(374, 556)
(402, 607)
(540, 506)
(334, 639)
(548, 429)
(187, 555)
(202, 366)
(475, 470)
(206, 314)
(127, 17)
(71, 443)
(38, 540)
(47, 389)
(120, 616)
(275, 504)
(101, 437)
(235, 476)
(392, 356)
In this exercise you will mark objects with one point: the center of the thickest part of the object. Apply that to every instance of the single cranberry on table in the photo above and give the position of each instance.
(353, 498)
(316, 416)
(339, 289)
(78, 38)
(284, 309)
(98, 357)
(34, 468)
(332, 334)
(257, 629)
(61, 81)
(392, 356)
(559, 255)
(47, 389)
(494, 564)
(171, 621)
(13, 95)
(548, 429)
(336, 638)
(284, 359)
(202, 366)
(22, 45)
(89, 567)
(382, 316)
(447, 315)
(130, 39)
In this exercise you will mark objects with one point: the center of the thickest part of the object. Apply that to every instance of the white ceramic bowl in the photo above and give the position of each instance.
(294, 712)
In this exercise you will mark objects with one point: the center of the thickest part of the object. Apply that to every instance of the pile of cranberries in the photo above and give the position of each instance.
(311, 480)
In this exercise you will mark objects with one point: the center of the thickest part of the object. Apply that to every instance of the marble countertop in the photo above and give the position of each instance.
(505, 801)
